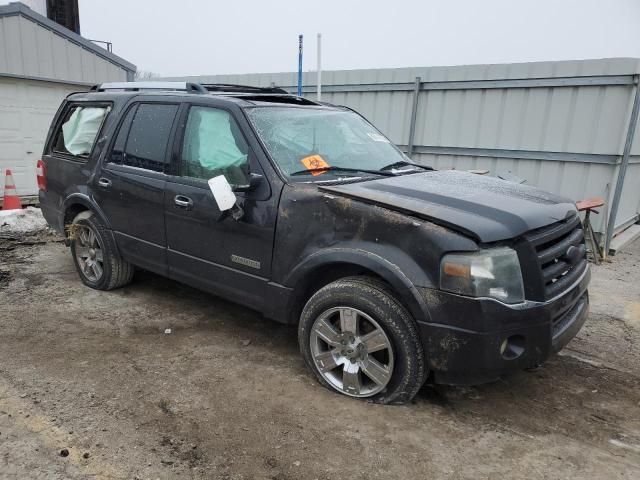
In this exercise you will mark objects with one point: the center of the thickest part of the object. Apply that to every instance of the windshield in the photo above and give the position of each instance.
(309, 142)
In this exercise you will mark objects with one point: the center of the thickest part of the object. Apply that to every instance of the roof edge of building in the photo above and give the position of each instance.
(455, 73)
(18, 8)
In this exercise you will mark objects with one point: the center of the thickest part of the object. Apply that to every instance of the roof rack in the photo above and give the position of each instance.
(188, 87)
(232, 88)
(137, 86)
(274, 98)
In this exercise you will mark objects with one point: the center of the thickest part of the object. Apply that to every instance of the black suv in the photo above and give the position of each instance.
(305, 212)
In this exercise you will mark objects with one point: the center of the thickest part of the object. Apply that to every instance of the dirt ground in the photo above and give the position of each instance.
(226, 394)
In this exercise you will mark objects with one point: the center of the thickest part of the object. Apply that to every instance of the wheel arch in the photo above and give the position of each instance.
(85, 202)
(77, 203)
(325, 267)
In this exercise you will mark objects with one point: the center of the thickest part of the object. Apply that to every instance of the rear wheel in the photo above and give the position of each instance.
(95, 256)
(359, 340)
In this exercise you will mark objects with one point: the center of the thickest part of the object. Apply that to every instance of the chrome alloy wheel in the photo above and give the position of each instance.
(351, 351)
(89, 254)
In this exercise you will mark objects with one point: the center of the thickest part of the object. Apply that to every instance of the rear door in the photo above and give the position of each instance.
(206, 247)
(130, 186)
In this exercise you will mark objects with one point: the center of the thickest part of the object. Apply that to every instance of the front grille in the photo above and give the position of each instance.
(561, 254)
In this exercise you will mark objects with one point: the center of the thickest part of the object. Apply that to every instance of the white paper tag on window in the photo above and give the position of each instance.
(225, 198)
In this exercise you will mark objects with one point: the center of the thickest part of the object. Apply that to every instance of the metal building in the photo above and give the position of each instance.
(567, 126)
(40, 63)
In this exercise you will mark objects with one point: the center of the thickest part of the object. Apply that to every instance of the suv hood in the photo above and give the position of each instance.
(487, 208)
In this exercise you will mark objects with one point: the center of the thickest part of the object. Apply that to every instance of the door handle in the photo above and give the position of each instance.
(183, 202)
(104, 182)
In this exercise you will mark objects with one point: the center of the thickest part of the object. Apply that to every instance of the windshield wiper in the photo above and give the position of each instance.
(403, 163)
(335, 168)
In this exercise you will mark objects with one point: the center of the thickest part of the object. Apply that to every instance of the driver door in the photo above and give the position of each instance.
(208, 248)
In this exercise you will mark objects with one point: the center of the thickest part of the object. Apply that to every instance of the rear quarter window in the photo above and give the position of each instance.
(76, 133)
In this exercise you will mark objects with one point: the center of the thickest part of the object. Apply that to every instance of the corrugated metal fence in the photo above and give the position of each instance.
(561, 126)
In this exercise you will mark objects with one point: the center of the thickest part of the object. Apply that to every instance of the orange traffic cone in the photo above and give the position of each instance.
(11, 198)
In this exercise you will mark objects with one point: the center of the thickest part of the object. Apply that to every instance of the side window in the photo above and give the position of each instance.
(78, 130)
(148, 136)
(117, 152)
(213, 145)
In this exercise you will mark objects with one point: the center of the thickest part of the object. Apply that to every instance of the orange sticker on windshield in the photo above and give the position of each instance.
(315, 162)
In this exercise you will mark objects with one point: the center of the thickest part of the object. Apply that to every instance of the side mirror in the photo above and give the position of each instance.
(253, 181)
(222, 192)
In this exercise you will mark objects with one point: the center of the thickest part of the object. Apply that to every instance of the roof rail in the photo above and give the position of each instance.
(232, 88)
(137, 86)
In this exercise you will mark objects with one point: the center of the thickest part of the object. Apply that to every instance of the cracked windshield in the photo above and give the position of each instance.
(315, 142)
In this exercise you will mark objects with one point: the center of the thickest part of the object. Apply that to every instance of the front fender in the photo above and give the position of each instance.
(403, 280)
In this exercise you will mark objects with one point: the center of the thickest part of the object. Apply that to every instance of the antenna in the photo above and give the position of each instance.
(299, 65)
(319, 80)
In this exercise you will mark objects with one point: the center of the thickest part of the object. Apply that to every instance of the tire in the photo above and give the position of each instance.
(95, 255)
(383, 362)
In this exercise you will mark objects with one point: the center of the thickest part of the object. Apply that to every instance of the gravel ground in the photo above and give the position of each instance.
(92, 387)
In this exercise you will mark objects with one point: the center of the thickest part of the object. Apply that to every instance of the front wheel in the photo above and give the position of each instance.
(359, 340)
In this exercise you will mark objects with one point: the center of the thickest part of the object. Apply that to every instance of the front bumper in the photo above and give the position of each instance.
(464, 339)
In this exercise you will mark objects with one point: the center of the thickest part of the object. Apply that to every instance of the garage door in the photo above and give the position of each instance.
(26, 110)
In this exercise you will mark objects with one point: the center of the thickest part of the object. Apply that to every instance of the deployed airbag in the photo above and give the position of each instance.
(80, 131)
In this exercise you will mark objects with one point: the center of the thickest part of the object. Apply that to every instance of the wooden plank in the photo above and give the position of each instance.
(590, 203)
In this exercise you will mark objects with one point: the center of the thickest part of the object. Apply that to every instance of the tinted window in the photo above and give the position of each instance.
(117, 153)
(149, 135)
(78, 130)
(213, 145)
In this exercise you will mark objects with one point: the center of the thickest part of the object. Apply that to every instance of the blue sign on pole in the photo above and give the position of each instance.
(299, 65)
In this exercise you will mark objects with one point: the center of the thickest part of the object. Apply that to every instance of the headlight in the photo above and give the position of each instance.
(491, 273)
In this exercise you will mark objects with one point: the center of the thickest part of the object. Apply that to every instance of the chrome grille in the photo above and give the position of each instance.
(561, 254)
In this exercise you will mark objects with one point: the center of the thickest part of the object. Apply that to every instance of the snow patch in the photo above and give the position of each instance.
(27, 220)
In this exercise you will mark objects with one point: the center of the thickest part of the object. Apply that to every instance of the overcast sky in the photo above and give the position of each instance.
(198, 37)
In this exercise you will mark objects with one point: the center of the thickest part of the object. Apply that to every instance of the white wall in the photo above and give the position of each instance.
(26, 110)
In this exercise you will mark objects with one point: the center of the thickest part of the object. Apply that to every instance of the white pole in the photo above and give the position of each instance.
(319, 66)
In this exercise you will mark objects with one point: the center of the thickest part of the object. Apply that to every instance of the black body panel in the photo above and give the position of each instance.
(211, 250)
(486, 208)
(133, 204)
(291, 238)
